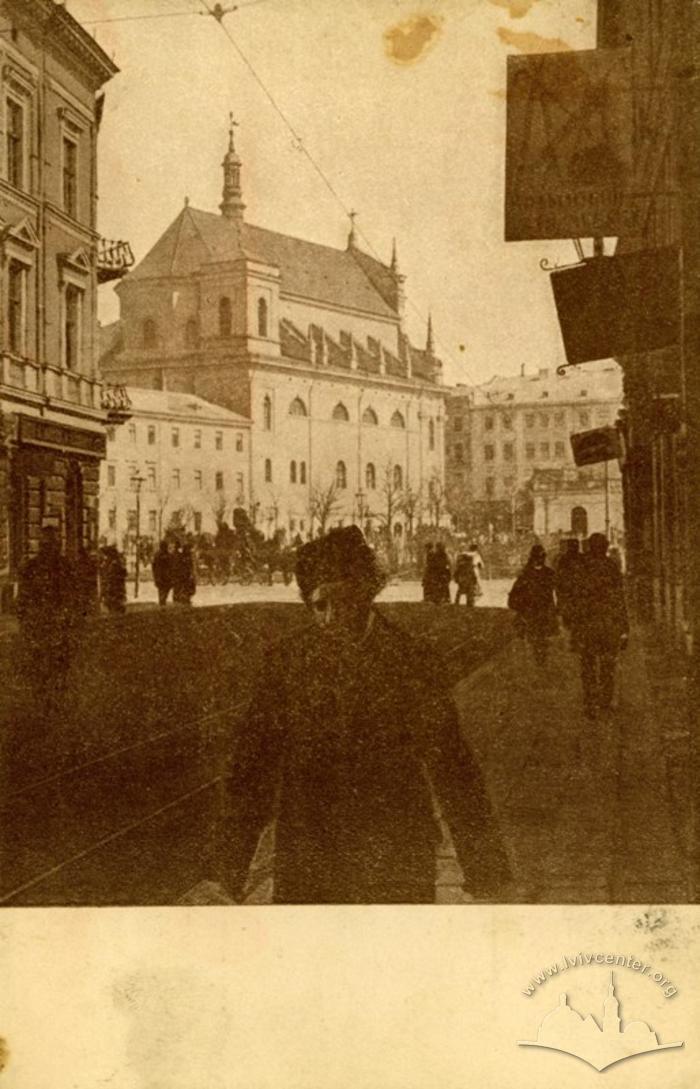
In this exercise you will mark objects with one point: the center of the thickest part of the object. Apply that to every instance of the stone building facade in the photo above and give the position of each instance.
(512, 432)
(52, 439)
(305, 340)
(188, 459)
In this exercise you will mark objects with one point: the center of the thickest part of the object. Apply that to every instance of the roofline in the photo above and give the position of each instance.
(70, 32)
(191, 417)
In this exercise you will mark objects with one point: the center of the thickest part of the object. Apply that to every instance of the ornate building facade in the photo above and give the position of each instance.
(305, 340)
(50, 258)
(509, 462)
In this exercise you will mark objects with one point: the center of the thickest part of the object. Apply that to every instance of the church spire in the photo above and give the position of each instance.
(352, 239)
(232, 206)
(429, 341)
(394, 258)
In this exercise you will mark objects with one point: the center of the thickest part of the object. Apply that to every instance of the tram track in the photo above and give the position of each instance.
(98, 845)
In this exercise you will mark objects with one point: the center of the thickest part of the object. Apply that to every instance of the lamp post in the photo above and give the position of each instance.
(137, 480)
(360, 506)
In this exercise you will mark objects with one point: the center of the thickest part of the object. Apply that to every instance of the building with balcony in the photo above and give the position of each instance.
(189, 459)
(508, 455)
(305, 340)
(52, 422)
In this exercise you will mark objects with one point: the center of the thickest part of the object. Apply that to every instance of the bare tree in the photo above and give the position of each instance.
(410, 505)
(219, 506)
(323, 503)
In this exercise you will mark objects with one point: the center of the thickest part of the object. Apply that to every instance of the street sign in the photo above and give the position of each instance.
(612, 306)
(569, 146)
(592, 447)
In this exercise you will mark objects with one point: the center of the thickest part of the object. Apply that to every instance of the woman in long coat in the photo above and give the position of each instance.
(532, 597)
(353, 731)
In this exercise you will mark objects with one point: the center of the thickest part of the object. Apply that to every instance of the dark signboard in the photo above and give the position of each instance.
(592, 447)
(61, 437)
(612, 306)
(570, 146)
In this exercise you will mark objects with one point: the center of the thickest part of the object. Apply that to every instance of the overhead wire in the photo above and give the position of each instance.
(300, 146)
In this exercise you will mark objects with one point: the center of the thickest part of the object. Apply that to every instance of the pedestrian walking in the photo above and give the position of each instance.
(163, 571)
(184, 581)
(532, 597)
(428, 580)
(50, 602)
(567, 578)
(465, 577)
(599, 624)
(478, 565)
(351, 728)
(443, 575)
(113, 576)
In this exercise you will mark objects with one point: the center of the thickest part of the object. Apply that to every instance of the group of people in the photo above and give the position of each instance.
(438, 574)
(173, 570)
(586, 593)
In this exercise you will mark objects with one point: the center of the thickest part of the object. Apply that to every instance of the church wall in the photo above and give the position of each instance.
(321, 442)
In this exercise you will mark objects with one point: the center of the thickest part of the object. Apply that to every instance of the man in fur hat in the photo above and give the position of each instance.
(350, 733)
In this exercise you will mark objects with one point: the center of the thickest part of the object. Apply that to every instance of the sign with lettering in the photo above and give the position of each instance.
(592, 447)
(569, 146)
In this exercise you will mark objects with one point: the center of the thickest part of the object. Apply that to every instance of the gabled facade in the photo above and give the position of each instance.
(52, 438)
(305, 340)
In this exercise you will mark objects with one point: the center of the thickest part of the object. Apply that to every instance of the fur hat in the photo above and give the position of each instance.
(342, 554)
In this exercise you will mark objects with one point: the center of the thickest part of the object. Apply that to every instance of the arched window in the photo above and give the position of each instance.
(302, 472)
(341, 475)
(149, 333)
(191, 333)
(369, 417)
(267, 413)
(340, 412)
(297, 407)
(579, 521)
(224, 316)
(370, 477)
(431, 434)
(262, 317)
(292, 472)
(397, 420)
(268, 471)
(398, 477)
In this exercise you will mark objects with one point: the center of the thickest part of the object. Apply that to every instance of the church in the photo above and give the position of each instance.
(306, 341)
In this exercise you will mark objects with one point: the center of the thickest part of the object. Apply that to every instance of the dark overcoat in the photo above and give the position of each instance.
(352, 745)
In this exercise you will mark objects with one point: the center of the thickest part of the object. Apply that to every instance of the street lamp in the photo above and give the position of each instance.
(136, 482)
(361, 508)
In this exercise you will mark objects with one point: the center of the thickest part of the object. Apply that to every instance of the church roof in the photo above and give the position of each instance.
(345, 278)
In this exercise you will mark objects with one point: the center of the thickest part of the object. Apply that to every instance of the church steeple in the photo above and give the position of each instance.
(232, 206)
(429, 341)
(394, 259)
(352, 240)
(611, 1009)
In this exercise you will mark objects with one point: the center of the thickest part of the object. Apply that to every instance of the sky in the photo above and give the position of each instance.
(401, 108)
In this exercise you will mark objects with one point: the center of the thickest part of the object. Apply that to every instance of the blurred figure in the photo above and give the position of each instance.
(600, 625)
(184, 581)
(567, 575)
(429, 573)
(163, 571)
(49, 607)
(350, 730)
(478, 564)
(113, 575)
(465, 577)
(443, 574)
(532, 598)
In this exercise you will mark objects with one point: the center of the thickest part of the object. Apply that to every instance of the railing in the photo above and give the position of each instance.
(114, 259)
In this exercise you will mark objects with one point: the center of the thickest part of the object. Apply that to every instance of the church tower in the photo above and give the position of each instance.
(611, 1010)
(232, 206)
